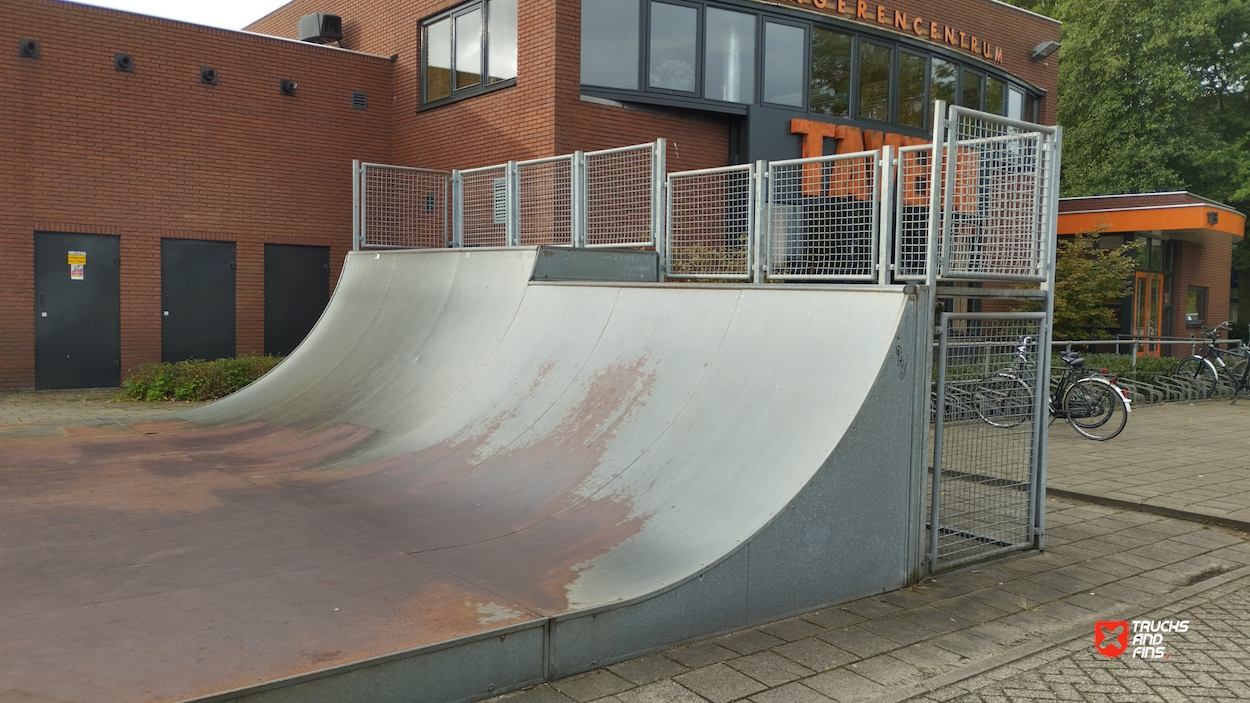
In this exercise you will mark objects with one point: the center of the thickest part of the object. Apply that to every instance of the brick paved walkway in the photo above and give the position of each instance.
(1192, 458)
(62, 407)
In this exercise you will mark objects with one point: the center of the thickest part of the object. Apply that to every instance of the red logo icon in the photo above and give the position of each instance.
(1111, 637)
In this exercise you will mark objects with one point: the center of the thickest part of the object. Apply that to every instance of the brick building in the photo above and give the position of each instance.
(178, 191)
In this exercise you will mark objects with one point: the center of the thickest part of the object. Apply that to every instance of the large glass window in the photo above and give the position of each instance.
(610, 43)
(912, 74)
(831, 72)
(729, 56)
(674, 47)
(945, 76)
(1015, 104)
(469, 49)
(994, 96)
(1195, 306)
(783, 64)
(501, 61)
(971, 90)
(438, 60)
(874, 82)
(472, 46)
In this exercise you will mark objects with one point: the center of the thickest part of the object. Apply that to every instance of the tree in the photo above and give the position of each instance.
(1088, 281)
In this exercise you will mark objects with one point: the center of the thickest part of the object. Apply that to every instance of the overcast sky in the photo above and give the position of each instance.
(228, 14)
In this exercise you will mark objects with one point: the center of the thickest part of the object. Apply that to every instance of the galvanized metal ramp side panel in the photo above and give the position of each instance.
(844, 535)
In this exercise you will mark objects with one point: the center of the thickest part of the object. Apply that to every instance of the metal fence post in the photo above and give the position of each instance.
(935, 195)
(1043, 362)
(577, 193)
(759, 223)
(659, 188)
(939, 421)
(885, 185)
(356, 209)
(457, 210)
(667, 255)
(512, 218)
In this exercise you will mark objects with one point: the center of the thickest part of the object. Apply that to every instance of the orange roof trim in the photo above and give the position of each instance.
(1182, 217)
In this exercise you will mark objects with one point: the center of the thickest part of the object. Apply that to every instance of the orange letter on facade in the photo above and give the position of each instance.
(900, 20)
(950, 35)
(963, 44)
(842, 6)
(933, 30)
(975, 48)
(881, 14)
(918, 27)
(861, 12)
(998, 54)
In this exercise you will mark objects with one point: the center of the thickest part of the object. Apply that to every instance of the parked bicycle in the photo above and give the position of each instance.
(1093, 404)
(1203, 371)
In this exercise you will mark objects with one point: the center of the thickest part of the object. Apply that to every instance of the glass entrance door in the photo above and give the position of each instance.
(1148, 310)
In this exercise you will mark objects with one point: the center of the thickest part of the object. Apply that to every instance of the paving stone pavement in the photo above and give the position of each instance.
(62, 407)
(1207, 467)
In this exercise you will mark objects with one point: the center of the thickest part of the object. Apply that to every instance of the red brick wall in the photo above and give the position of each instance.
(155, 153)
(1204, 265)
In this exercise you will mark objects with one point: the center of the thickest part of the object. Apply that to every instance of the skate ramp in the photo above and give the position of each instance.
(502, 480)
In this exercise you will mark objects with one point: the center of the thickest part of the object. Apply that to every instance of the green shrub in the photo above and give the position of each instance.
(1149, 368)
(195, 379)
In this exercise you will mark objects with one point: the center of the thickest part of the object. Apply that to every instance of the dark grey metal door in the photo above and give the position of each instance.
(297, 287)
(78, 326)
(197, 299)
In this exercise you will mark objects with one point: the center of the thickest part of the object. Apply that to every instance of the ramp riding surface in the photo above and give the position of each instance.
(464, 481)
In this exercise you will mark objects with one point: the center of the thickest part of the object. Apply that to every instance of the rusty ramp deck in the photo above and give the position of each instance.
(463, 482)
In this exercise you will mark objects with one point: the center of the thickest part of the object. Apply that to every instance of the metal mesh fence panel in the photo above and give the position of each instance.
(710, 223)
(911, 218)
(485, 207)
(545, 198)
(985, 459)
(403, 207)
(620, 202)
(995, 210)
(822, 217)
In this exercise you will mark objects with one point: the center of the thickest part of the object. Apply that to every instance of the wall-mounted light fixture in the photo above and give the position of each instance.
(208, 75)
(287, 86)
(1213, 217)
(124, 63)
(28, 48)
(1045, 49)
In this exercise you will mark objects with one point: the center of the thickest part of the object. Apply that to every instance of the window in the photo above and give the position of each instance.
(1195, 306)
(971, 90)
(674, 47)
(874, 82)
(831, 72)
(945, 83)
(1015, 104)
(912, 74)
(994, 96)
(729, 56)
(610, 44)
(783, 64)
(473, 46)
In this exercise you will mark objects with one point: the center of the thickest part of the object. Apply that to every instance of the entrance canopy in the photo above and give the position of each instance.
(1182, 215)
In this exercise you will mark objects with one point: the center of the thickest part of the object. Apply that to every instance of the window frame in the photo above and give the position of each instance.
(700, 24)
(484, 85)
(898, 83)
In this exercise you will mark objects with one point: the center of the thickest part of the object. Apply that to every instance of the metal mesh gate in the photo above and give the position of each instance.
(711, 217)
(984, 482)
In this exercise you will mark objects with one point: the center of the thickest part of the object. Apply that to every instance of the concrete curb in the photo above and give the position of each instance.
(1161, 511)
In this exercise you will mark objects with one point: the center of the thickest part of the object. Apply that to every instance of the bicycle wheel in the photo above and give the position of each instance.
(1003, 400)
(1239, 374)
(1197, 372)
(1095, 409)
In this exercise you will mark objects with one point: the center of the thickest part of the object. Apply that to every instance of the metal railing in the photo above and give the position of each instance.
(711, 223)
(608, 198)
